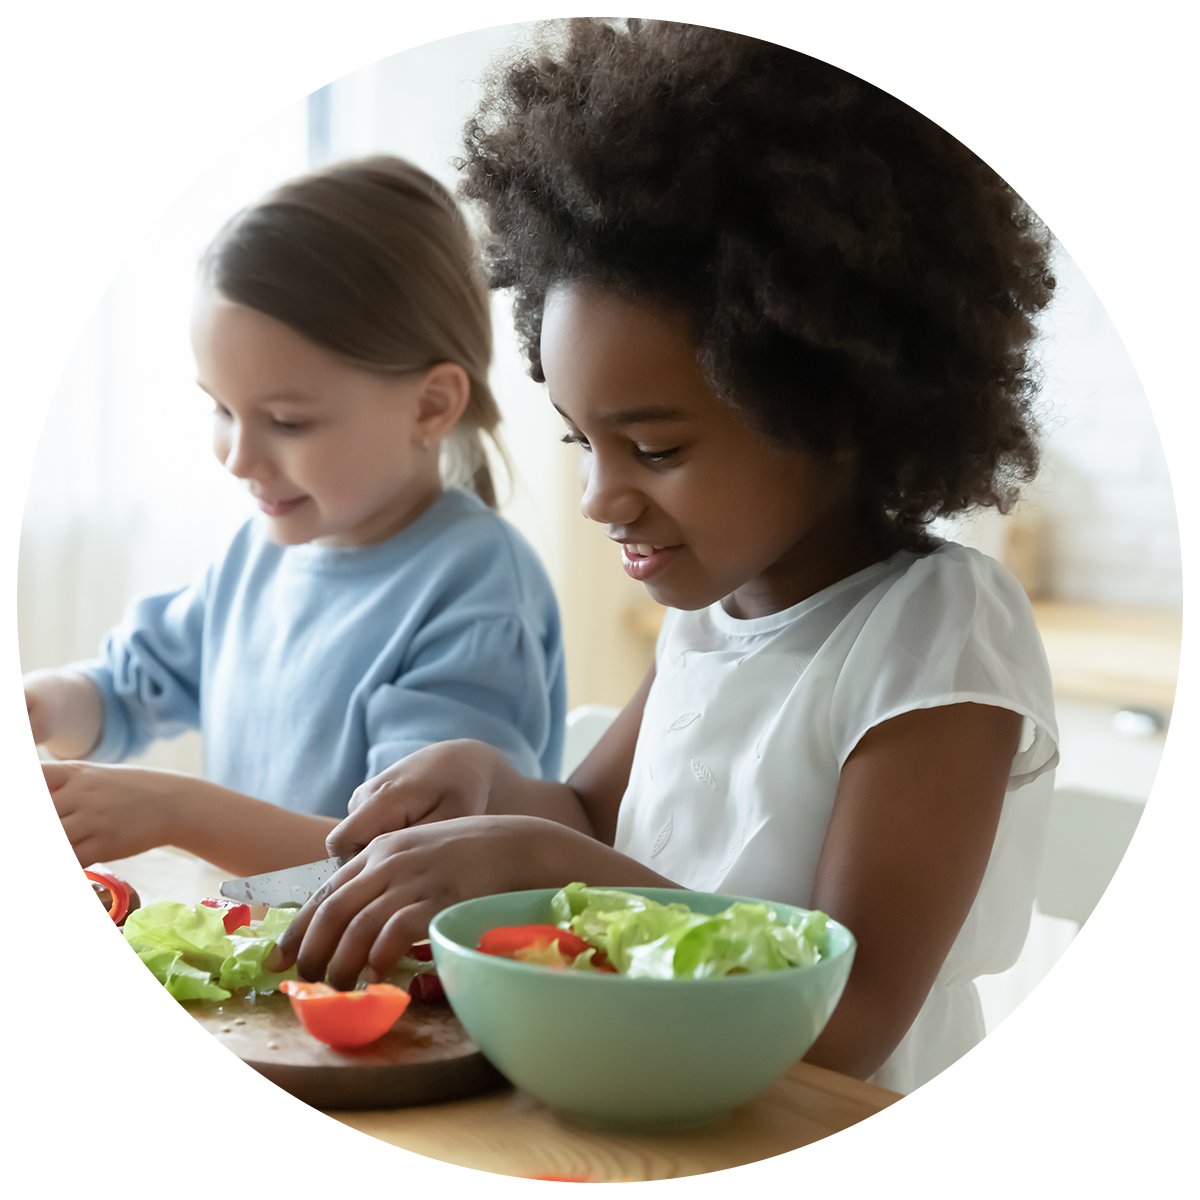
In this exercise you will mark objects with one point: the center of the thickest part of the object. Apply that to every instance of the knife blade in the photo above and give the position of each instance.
(280, 889)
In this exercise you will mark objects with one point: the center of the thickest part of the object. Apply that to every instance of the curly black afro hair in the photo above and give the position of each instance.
(848, 266)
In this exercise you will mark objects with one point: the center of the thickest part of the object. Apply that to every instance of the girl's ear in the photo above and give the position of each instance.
(441, 401)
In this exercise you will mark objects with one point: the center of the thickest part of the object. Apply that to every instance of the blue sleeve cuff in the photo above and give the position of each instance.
(117, 738)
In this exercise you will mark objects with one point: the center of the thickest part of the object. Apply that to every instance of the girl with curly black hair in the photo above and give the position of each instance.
(787, 320)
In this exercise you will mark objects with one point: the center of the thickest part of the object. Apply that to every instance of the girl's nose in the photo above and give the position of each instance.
(235, 450)
(608, 498)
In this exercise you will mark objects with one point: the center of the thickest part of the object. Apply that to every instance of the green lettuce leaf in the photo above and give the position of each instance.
(645, 939)
(189, 952)
(196, 931)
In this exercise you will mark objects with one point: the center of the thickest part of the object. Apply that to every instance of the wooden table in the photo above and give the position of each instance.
(444, 1152)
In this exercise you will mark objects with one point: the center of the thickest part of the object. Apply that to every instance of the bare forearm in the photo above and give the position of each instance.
(861, 1035)
(558, 856)
(241, 834)
(513, 794)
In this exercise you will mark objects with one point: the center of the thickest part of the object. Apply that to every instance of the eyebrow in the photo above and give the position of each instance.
(647, 415)
(295, 397)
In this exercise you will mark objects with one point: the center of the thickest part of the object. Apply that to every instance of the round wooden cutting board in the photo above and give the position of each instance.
(41, 913)
(426, 1057)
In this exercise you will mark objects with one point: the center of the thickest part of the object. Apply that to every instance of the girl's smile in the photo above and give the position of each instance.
(703, 507)
(641, 561)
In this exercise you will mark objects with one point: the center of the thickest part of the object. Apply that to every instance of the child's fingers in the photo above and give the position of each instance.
(285, 951)
(329, 921)
(396, 937)
(57, 773)
(355, 946)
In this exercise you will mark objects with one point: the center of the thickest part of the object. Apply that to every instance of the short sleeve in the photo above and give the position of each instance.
(956, 627)
(148, 672)
(483, 679)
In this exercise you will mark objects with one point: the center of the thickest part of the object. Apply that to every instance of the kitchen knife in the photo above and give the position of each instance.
(961, 1169)
(279, 889)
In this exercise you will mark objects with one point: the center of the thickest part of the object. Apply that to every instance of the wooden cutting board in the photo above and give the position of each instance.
(256, 1049)
(41, 913)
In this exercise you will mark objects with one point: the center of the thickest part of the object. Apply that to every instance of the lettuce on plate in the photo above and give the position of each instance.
(186, 948)
(645, 939)
(42, 1153)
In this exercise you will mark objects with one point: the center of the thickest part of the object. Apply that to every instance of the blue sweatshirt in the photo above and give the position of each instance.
(309, 669)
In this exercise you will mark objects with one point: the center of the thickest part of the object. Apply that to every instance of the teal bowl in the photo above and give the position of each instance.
(632, 1054)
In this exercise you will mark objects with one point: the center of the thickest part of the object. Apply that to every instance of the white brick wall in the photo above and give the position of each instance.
(1121, 478)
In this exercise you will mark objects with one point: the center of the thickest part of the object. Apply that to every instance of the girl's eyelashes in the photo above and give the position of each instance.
(649, 456)
(656, 456)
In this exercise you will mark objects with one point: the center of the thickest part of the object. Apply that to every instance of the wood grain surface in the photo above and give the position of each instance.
(256, 1050)
(36, 913)
(447, 1151)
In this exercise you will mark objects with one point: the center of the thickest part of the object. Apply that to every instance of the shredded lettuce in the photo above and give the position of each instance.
(42, 1153)
(645, 939)
(187, 949)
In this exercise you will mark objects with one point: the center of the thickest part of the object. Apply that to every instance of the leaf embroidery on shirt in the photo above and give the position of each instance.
(731, 857)
(703, 774)
(663, 838)
(683, 721)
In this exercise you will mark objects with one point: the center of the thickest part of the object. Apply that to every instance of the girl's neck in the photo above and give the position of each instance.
(832, 551)
(405, 508)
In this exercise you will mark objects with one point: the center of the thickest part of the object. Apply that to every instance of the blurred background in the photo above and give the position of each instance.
(131, 130)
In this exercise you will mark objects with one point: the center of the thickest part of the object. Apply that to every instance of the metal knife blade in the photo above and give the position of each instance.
(291, 886)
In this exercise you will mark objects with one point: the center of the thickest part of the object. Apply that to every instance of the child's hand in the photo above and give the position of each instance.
(372, 910)
(438, 783)
(111, 812)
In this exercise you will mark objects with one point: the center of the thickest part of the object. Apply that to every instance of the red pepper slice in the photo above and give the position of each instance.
(422, 952)
(236, 916)
(89, 927)
(345, 1019)
(427, 987)
(509, 939)
(543, 1187)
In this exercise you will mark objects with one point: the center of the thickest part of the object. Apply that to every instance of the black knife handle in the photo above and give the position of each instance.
(960, 1169)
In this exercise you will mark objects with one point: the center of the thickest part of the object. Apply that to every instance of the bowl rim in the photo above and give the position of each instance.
(758, 978)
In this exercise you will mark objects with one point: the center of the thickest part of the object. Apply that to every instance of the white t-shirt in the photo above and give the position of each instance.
(748, 723)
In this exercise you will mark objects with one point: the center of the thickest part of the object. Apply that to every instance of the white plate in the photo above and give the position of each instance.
(114, 1090)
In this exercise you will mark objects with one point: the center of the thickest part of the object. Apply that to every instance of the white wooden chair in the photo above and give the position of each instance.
(1127, 873)
(586, 725)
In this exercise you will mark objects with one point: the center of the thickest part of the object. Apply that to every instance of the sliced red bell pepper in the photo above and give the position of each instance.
(422, 952)
(345, 1019)
(510, 938)
(236, 915)
(543, 1187)
(89, 927)
(546, 945)
(427, 987)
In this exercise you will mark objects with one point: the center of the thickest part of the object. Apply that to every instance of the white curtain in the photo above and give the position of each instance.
(130, 130)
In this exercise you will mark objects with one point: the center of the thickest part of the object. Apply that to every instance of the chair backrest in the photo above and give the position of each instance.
(586, 725)
(1125, 867)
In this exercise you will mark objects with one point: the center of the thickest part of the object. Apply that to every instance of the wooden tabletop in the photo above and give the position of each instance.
(1117, 655)
(447, 1151)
